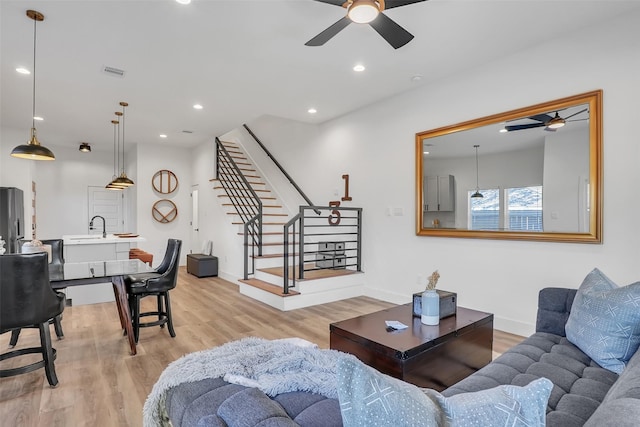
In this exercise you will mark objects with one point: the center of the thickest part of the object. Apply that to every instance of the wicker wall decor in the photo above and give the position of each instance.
(164, 181)
(164, 211)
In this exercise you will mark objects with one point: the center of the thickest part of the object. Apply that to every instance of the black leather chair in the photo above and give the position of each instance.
(27, 301)
(57, 262)
(155, 284)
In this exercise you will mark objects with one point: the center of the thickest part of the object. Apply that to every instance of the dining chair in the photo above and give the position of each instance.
(155, 284)
(27, 301)
(57, 262)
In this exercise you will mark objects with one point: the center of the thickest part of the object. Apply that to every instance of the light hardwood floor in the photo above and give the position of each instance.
(102, 385)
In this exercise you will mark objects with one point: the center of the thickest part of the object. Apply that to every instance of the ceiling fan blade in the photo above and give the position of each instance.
(334, 2)
(393, 33)
(544, 118)
(521, 127)
(327, 34)
(575, 114)
(390, 4)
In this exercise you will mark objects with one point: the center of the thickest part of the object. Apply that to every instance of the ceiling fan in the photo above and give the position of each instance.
(550, 124)
(367, 12)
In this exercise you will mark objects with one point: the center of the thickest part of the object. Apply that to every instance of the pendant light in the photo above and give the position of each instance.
(33, 150)
(123, 180)
(111, 185)
(477, 194)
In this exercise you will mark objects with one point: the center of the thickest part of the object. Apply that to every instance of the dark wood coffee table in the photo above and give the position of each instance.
(427, 356)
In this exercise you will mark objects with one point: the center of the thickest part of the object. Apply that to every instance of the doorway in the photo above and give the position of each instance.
(195, 221)
(109, 204)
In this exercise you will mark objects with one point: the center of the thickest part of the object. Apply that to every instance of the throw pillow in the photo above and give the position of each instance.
(370, 398)
(605, 321)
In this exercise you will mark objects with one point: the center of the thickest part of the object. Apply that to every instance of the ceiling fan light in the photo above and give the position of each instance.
(85, 147)
(556, 124)
(363, 11)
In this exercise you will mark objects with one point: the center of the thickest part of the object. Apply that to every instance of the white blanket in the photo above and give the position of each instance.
(274, 367)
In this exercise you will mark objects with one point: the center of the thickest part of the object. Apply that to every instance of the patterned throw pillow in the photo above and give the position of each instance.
(370, 398)
(605, 321)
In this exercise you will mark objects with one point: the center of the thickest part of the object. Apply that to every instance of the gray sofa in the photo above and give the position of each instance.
(584, 394)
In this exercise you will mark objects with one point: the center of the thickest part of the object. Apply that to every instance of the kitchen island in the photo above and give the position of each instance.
(94, 247)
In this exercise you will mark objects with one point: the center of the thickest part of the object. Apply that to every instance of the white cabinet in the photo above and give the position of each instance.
(87, 248)
(439, 193)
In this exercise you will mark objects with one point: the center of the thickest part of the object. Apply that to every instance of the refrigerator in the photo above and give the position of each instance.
(11, 218)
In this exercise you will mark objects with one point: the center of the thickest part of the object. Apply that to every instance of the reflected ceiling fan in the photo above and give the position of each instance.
(367, 12)
(550, 124)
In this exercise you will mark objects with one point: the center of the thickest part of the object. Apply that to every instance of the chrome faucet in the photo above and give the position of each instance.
(104, 225)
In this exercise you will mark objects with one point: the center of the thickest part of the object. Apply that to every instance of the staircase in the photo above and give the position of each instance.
(245, 196)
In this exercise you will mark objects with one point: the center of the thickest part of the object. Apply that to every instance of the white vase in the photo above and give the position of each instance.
(430, 307)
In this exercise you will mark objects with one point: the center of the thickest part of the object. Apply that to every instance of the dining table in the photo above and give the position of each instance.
(70, 274)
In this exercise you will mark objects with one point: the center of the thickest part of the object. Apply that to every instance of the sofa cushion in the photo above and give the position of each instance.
(605, 321)
(370, 398)
(554, 306)
(621, 405)
(580, 380)
(250, 408)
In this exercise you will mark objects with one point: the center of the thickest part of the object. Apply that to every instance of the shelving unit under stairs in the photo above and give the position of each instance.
(267, 281)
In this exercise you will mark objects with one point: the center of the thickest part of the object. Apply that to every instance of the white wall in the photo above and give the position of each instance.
(150, 159)
(375, 146)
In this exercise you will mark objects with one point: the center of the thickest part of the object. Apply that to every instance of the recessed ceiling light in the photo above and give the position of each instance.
(162, 135)
(198, 107)
(358, 68)
(416, 78)
(183, 1)
(503, 130)
(23, 70)
(312, 111)
(426, 152)
(38, 118)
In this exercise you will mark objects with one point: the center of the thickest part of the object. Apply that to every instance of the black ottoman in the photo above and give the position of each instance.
(202, 265)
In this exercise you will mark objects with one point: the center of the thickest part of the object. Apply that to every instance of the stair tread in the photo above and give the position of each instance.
(268, 287)
(256, 190)
(264, 214)
(309, 275)
(270, 233)
(264, 223)
(264, 206)
(247, 197)
(238, 180)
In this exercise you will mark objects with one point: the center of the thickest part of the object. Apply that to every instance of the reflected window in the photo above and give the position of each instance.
(524, 208)
(484, 212)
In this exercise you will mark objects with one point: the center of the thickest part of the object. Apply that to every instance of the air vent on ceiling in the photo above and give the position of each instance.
(187, 131)
(113, 71)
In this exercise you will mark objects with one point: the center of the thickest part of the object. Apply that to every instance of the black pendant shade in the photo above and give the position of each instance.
(33, 150)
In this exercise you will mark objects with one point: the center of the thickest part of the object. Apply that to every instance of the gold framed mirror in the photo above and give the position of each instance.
(534, 173)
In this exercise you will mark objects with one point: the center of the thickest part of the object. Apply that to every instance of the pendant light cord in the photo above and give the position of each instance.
(33, 103)
(477, 174)
(123, 138)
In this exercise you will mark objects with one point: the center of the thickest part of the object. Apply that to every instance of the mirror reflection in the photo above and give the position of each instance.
(532, 173)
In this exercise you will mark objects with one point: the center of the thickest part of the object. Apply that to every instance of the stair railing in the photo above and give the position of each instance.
(279, 166)
(245, 201)
(330, 241)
